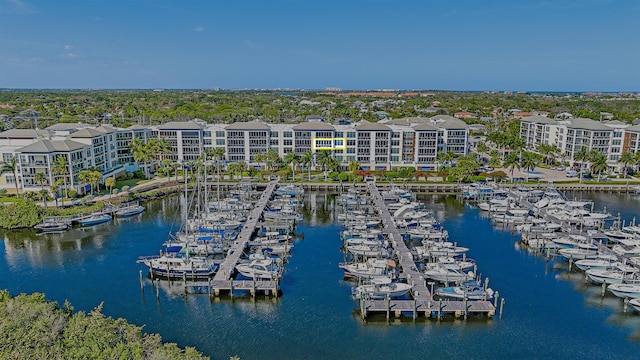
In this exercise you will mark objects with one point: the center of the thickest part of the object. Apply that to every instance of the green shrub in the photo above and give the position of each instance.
(73, 193)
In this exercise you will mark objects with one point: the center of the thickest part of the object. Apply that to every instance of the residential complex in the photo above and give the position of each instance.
(384, 145)
(611, 138)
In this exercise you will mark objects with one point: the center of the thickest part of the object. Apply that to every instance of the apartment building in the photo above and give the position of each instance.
(611, 138)
(388, 144)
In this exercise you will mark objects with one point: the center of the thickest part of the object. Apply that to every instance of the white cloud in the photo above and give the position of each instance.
(16, 7)
(68, 47)
(198, 29)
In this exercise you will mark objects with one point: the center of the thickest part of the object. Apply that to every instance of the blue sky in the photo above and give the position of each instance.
(519, 45)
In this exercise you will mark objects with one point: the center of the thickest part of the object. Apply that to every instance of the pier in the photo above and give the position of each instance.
(423, 301)
(222, 280)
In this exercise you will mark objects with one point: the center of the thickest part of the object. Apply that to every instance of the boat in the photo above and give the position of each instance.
(614, 276)
(95, 219)
(635, 303)
(382, 288)
(177, 267)
(471, 290)
(625, 290)
(130, 210)
(371, 268)
(445, 275)
(600, 262)
(259, 269)
(51, 226)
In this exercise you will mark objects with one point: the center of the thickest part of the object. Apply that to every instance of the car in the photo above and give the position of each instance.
(572, 173)
(561, 168)
(587, 176)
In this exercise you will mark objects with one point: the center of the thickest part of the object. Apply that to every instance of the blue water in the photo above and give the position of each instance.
(549, 312)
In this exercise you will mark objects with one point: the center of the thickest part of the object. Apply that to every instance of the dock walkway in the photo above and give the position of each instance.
(422, 301)
(228, 265)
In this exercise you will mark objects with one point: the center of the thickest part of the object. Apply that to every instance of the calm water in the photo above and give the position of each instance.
(548, 312)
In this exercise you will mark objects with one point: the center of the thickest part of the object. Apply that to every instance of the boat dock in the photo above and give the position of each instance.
(422, 301)
(222, 280)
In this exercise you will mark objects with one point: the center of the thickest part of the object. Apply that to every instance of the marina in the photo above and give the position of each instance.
(312, 303)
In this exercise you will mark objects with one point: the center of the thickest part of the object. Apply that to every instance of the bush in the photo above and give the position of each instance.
(20, 215)
(34, 328)
(72, 193)
(138, 174)
(3, 192)
(126, 188)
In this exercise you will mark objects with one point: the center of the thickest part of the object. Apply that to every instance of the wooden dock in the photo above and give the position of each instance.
(222, 280)
(422, 301)
(214, 287)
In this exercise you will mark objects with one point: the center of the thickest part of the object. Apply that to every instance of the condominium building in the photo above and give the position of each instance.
(611, 138)
(388, 144)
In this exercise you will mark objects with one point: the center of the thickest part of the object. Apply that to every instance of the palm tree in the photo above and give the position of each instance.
(110, 183)
(598, 162)
(353, 166)
(84, 177)
(54, 190)
(528, 162)
(60, 168)
(307, 160)
(626, 159)
(142, 153)
(323, 157)
(581, 156)
(44, 193)
(511, 162)
(292, 159)
(12, 167)
(174, 167)
(40, 178)
(237, 168)
(166, 164)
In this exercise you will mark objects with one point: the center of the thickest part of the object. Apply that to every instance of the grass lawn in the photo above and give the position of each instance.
(9, 199)
(128, 182)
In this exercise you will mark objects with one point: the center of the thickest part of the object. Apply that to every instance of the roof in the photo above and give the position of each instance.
(87, 133)
(448, 122)
(23, 133)
(314, 126)
(635, 128)
(444, 117)
(50, 146)
(588, 124)
(369, 126)
(137, 127)
(180, 125)
(425, 127)
(66, 126)
(249, 125)
(538, 120)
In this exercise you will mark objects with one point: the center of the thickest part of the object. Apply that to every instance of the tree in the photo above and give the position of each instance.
(110, 182)
(581, 156)
(323, 157)
(307, 160)
(54, 190)
(142, 153)
(60, 168)
(482, 147)
(512, 162)
(292, 159)
(353, 166)
(237, 168)
(84, 177)
(528, 162)
(166, 165)
(626, 159)
(44, 193)
(40, 179)
(598, 162)
(12, 167)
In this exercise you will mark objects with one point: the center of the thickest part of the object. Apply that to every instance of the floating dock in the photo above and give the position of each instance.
(422, 302)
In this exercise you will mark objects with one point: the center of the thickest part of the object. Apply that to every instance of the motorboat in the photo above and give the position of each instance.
(600, 262)
(259, 269)
(369, 269)
(51, 226)
(382, 288)
(471, 290)
(580, 252)
(175, 267)
(635, 303)
(95, 219)
(625, 290)
(445, 275)
(513, 216)
(612, 276)
(130, 210)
